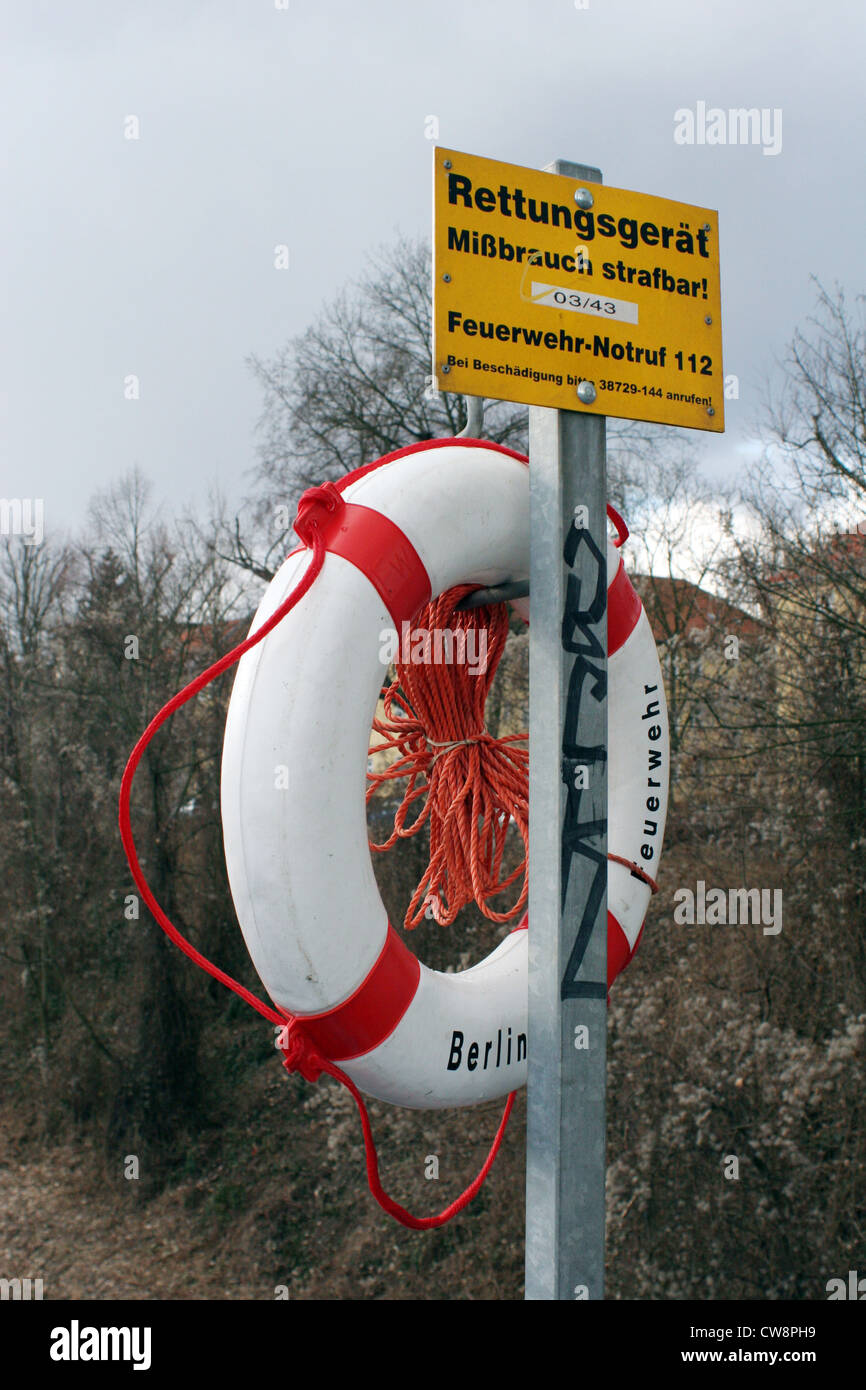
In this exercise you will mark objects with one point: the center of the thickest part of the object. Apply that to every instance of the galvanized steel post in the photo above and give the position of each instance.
(565, 1173)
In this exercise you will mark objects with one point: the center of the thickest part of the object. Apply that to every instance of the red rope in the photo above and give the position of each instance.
(302, 1056)
(299, 1052)
(175, 703)
(472, 786)
(636, 870)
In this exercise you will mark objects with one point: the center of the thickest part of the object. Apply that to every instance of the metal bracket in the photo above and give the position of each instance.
(474, 418)
(501, 593)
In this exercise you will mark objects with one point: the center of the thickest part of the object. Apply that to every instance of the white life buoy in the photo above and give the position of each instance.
(406, 528)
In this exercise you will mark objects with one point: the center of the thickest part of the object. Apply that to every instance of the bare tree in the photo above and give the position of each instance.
(357, 384)
(805, 565)
(93, 640)
(681, 532)
(34, 583)
(796, 728)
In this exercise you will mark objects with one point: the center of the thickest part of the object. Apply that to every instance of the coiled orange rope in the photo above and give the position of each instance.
(472, 786)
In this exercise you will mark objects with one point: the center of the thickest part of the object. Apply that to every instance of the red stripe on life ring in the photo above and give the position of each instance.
(373, 544)
(623, 610)
(371, 1014)
(619, 952)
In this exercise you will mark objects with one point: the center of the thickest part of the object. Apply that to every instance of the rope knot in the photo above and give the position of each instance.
(299, 1053)
(449, 745)
(314, 505)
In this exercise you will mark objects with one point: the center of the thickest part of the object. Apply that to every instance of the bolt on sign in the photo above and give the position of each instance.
(574, 295)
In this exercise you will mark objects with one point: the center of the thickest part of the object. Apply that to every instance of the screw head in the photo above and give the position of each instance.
(446, 164)
(447, 278)
(708, 319)
(586, 392)
(706, 227)
(583, 198)
(710, 410)
(444, 369)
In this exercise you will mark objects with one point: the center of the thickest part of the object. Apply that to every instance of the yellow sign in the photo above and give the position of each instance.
(575, 295)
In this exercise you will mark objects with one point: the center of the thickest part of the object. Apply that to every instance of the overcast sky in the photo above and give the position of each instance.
(306, 125)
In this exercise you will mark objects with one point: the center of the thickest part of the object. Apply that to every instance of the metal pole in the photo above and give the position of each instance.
(565, 1169)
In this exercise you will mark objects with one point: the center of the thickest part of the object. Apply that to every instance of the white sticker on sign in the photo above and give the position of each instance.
(558, 298)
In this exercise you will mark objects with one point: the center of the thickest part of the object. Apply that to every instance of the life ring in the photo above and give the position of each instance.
(397, 532)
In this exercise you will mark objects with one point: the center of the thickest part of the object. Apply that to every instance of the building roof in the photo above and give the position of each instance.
(678, 605)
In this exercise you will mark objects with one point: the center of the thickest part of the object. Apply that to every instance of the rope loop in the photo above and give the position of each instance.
(299, 1052)
(302, 1056)
(622, 531)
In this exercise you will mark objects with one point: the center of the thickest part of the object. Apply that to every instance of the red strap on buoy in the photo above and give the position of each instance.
(372, 543)
(373, 1010)
(318, 506)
